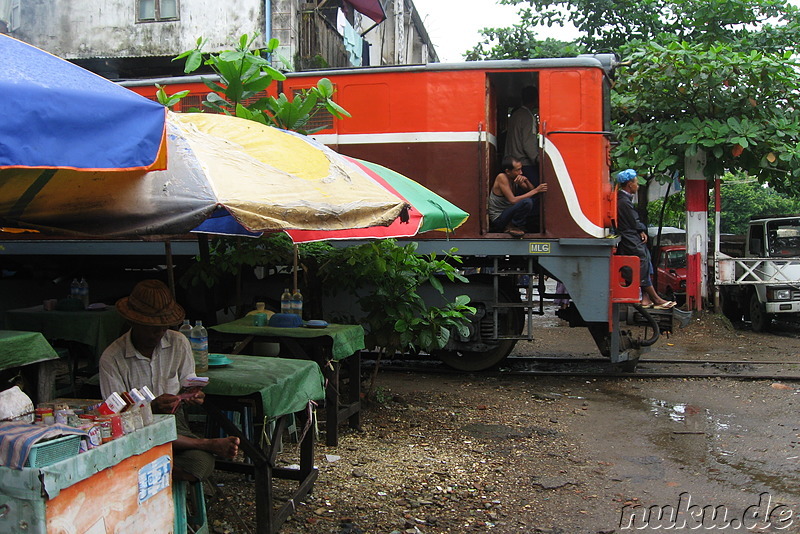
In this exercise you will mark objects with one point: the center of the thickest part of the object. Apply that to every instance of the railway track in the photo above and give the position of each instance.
(601, 367)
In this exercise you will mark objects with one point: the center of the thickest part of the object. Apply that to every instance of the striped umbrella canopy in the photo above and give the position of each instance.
(221, 169)
(57, 115)
(428, 211)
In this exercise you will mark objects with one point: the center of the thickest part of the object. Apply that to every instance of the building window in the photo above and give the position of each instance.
(156, 10)
(14, 19)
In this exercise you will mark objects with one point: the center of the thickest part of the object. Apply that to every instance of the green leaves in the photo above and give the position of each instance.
(244, 74)
(169, 100)
(397, 315)
(678, 97)
(194, 57)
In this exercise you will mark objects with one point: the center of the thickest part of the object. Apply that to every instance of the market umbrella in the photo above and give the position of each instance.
(427, 211)
(220, 167)
(58, 115)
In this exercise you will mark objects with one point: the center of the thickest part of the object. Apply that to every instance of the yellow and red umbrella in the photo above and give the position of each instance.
(258, 177)
(427, 211)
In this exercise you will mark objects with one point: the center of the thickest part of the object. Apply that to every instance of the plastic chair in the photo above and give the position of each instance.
(189, 519)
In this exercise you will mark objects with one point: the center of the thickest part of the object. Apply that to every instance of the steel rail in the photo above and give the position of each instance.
(572, 367)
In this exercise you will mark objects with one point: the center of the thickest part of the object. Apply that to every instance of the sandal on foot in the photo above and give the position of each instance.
(515, 231)
(666, 306)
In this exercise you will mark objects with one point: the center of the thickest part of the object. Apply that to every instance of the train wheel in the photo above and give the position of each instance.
(463, 360)
(759, 318)
(511, 324)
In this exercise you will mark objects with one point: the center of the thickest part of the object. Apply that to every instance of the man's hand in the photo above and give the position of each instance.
(643, 235)
(165, 403)
(194, 396)
(541, 188)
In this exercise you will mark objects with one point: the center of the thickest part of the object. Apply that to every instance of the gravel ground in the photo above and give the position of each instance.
(455, 453)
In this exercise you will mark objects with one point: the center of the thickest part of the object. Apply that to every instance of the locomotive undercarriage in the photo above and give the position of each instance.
(502, 309)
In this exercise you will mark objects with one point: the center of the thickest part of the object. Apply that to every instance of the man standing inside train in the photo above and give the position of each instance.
(522, 141)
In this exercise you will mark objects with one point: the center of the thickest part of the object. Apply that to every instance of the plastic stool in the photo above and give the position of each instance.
(182, 491)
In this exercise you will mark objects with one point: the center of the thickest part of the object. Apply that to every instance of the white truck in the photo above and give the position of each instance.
(765, 281)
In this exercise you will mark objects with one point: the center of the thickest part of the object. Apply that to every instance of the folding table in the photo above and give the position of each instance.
(271, 388)
(328, 347)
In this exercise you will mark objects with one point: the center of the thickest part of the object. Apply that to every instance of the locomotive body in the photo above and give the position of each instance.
(444, 126)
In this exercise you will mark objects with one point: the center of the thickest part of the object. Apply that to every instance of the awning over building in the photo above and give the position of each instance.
(371, 8)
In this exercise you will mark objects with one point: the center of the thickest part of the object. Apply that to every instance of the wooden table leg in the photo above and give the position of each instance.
(354, 363)
(268, 519)
(46, 380)
(331, 373)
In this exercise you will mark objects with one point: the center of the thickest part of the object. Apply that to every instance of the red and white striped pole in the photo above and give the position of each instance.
(696, 231)
(717, 229)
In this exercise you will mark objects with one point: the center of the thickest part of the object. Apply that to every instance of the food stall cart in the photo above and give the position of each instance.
(120, 486)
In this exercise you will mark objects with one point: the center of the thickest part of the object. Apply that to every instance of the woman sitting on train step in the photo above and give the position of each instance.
(633, 238)
(508, 211)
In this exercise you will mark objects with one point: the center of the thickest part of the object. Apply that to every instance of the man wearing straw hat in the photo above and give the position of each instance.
(152, 355)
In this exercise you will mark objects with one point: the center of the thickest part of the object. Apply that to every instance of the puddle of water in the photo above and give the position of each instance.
(690, 415)
(713, 448)
(718, 444)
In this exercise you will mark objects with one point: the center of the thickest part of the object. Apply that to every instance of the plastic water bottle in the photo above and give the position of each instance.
(297, 303)
(286, 301)
(186, 329)
(74, 289)
(199, 339)
(83, 291)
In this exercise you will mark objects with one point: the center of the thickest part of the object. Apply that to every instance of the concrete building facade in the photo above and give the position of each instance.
(139, 38)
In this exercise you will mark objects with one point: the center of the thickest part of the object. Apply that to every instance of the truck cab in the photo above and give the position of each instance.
(765, 283)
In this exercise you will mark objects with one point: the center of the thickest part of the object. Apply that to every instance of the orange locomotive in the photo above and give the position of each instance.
(444, 125)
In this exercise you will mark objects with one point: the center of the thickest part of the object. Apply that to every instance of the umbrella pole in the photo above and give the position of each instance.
(209, 314)
(170, 267)
(294, 269)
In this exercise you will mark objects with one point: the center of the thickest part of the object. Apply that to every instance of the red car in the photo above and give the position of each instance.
(670, 275)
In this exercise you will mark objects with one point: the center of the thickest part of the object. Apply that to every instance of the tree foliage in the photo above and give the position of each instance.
(609, 25)
(737, 106)
(244, 73)
(519, 42)
(717, 76)
(743, 199)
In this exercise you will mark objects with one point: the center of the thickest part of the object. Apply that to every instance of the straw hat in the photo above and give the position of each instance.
(151, 304)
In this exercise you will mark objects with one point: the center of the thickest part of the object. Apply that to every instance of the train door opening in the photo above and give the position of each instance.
(504, 92)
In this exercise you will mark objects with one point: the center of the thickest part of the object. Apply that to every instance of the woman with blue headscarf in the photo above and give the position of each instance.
(633, 238)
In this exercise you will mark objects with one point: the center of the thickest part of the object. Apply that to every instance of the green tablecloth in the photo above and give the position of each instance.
(23, 348)
(98, 328)
(346, 338)
(285, 385)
